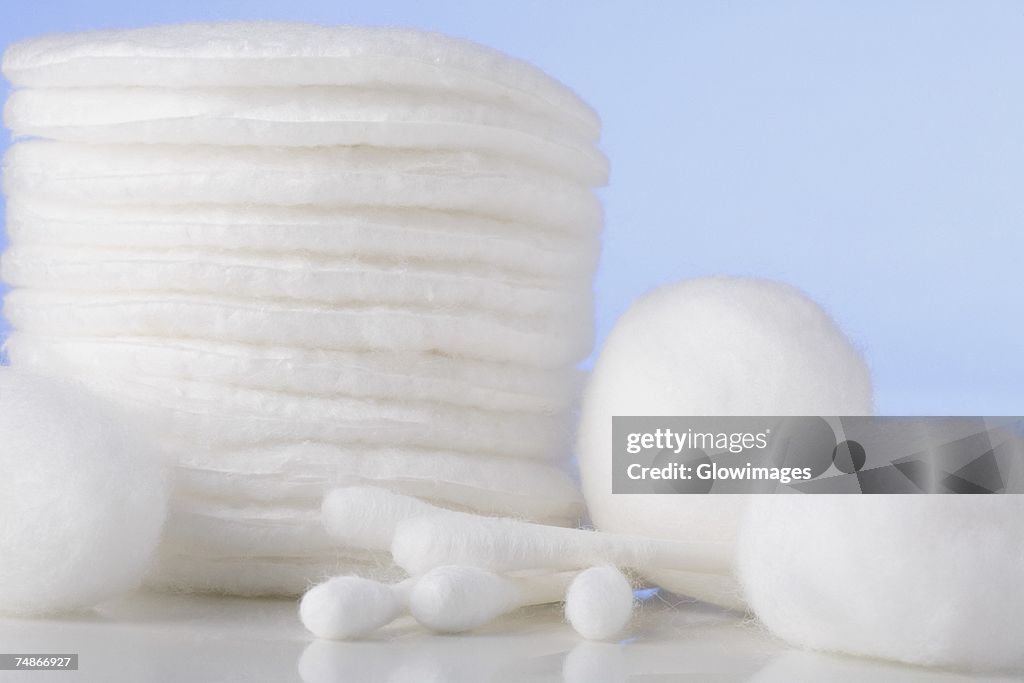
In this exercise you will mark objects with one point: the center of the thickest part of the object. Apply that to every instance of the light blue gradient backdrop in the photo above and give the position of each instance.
(871, 153)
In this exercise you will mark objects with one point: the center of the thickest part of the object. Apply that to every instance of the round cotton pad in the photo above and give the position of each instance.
(253, 54)
(482, 336)
(288, 277)
(263, 576)
(221, 530)
(82, 499)
(384, 236)
(163, 175)
(922, 579)
(307, 117)
(304, 472)
(203, 415)
(307, 257)
(370, 374)
(713, 346)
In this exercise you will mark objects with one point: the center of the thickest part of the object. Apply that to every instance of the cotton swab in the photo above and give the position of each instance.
(599, 603)
(507, 545)
(368, 517)
(448, 599)
(348, 607)
(452, 599)
(422, 537)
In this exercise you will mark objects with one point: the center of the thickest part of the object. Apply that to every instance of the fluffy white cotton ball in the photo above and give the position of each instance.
(599, 603)
(714, 346)
(81, 501)
(922, 579)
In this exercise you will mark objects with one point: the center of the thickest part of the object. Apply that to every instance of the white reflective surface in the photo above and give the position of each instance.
(181, 638)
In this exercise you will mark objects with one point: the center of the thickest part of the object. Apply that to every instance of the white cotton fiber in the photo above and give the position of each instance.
(210, 416)
(243, 529)
(599, 603)
(290, 277)
(304, 472)
(82, 500)
(715, 346)
(266, 576)
(921, 579)
(168, 175)
(482, 336)
(306, 117)
(373, 236)
(368, 516)
(307, 257)
(456, 599)
(372, 374)
(349, 606)
(278, 54)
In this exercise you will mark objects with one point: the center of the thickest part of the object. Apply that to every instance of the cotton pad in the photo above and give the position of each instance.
(307, 117)
(203, 415)
(480, 336)
(715, 346)
(247, 576)
(556, 511)
(288, 277)
(253, 54)
(921, 579)
(304, 472)
(371, 374)
(165, 175)
(379, 236)
(307, 257)
(247, 530)
(82, 498)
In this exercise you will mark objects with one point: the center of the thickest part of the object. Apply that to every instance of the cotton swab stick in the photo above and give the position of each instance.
(348, 607)
(599, 603)
(507, 545)
(452, 599)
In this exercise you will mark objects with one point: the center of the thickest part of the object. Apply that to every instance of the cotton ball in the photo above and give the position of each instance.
(715, 346)
(81, 501)
(921, 579)
(349, 607)
(599, 603)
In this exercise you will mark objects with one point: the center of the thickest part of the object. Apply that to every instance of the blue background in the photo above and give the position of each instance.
(871, 153)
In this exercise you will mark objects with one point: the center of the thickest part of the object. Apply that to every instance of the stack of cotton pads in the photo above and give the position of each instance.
(312, 257)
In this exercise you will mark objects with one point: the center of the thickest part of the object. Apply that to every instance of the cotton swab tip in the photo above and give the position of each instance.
(348, 607)
(454, 599)
(599, 603)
